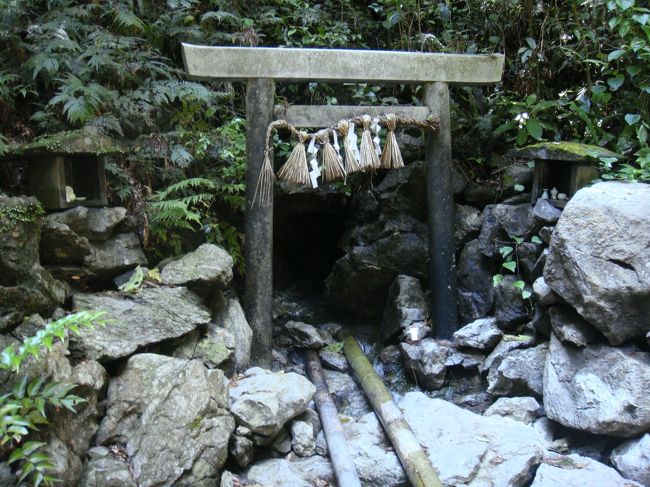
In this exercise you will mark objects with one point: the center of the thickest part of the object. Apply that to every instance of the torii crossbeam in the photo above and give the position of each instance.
(260, 67)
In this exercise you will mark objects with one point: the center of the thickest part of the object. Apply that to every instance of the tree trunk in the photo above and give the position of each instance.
(414, 460)
(346, 472)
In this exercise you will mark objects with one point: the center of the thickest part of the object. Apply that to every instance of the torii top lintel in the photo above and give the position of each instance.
(339, 65)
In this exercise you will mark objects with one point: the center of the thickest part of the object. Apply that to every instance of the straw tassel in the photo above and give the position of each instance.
(333, 169)
(295, 170)
(391, 158)
(351, 163)
(369, 159)
(265, 181)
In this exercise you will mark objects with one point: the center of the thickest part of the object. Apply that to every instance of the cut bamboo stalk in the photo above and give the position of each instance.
(414, 460)
(344, 468)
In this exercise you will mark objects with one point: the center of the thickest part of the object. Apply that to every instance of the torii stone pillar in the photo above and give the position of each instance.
(262, 66)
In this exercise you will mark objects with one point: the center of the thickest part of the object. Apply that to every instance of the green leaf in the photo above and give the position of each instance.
(522, 137)
(505, 250)
(642, 19)
(519, 284)
(496, 279)
(614, 55)
(536, 240)
(632, 118)
(526, 294)
(519, 187)
(625, 4)
(534, 128)
(518, 239)
(511, 265)
(616, 82)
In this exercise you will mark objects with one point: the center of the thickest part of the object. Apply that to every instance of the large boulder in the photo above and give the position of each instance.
(598, 388)
(114, 256)
(229, 315)
(406, 306)
(264, 402)
(96, 224)
(599, 258)
(150, 316)
(467, 223)
(482, 334)
(24, 285)
(105, 470)
(577, 471)
(468, 449)
(208, 266)
(171, 416)
(360, 279)
(510, 308)
(475, 290)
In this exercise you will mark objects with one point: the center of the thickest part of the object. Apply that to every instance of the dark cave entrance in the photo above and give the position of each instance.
(306, 234)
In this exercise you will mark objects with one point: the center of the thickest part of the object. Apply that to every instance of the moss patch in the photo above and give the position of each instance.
(10, 216)
(564, 151)
(83, 141)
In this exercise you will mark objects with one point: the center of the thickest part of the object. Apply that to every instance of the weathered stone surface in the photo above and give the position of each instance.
(230, 316)
(96, 224)
(507, 343)
(214, 347)
(264, 402)
(519, 373)
(60, 245)
(377, 465)
(25, 286)
(347, 394)
(544, 294)
(67, 465)
(104, 470)
(304, 335)
(599, 389)
(570, 327)
(632, 459)
(528, 254)
(475, 290)
(482, 334)
(209, 265)
(242, 450)
(404, 191)
(406, 306)
(333, 361)
(523, 409)
(171, 415)
(428, 361)
(377, 253)
(115, 255)
(469, 449)
(390, 355)
(315, 469)
(276, 472)
(502, 223)
(150, 316)
(578, 471)
(302, 438)
(467, 221)
(599, 259)
(517, 174)
(510, 308)
(544, 213)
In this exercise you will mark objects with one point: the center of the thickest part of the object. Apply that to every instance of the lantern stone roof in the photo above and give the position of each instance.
(86, 141)
(563, 151)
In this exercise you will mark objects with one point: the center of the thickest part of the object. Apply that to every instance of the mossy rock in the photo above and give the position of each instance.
(83, 141)
(563, 151)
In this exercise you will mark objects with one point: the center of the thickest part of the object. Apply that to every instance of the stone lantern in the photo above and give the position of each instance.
(562, 168)
(67, 169)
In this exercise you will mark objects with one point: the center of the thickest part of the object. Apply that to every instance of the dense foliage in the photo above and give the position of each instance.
(576, 70)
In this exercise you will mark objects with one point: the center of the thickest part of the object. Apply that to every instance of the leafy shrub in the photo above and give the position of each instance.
(24, 409)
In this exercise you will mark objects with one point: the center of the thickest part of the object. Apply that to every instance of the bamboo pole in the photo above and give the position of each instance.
(346, 472)
(414, 460)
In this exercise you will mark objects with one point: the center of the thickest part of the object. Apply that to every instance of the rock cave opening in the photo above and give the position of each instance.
(307, 230)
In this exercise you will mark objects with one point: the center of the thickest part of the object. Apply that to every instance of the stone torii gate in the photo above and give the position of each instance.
(261, 67)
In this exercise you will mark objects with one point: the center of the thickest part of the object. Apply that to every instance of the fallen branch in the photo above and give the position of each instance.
(344, 468)
(414, 460)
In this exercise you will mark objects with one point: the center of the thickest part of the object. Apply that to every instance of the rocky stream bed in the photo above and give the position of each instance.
(549, 390)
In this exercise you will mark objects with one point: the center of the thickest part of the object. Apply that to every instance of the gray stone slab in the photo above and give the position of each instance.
(339, 65)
